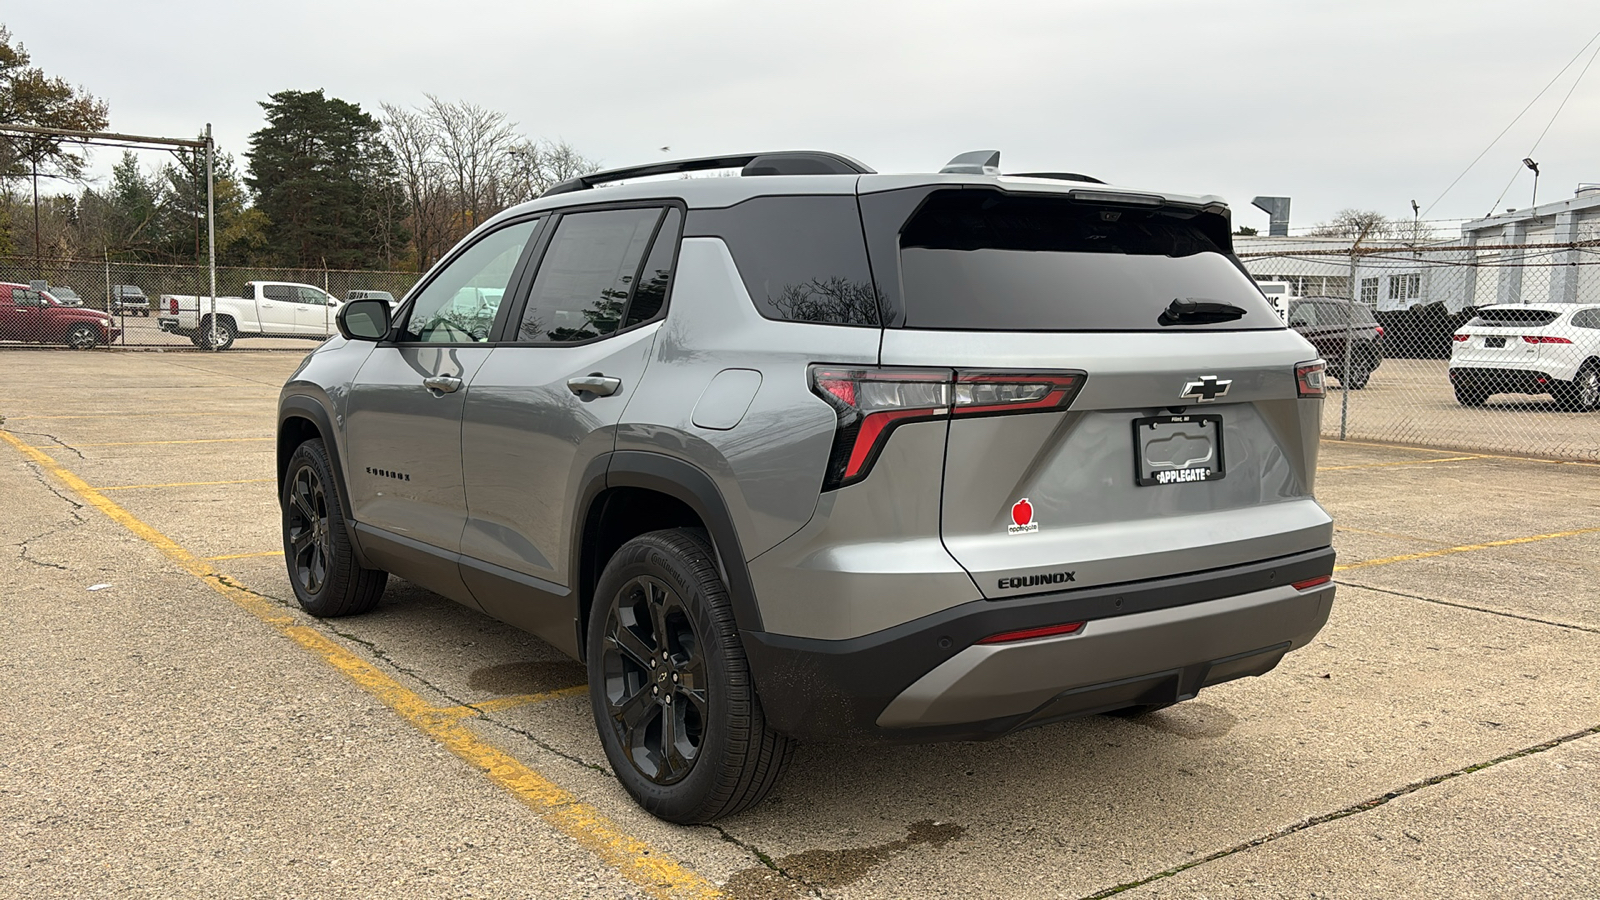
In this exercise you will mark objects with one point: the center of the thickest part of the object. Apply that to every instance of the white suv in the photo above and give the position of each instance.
(1540, 348)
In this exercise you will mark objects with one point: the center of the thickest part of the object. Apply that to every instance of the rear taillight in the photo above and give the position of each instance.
(1028, 634)
(1543, 339)
(1458, 338)
(1308, 378)
(871, 402)
(1310, 583)
(173, 305)
(1379, 329)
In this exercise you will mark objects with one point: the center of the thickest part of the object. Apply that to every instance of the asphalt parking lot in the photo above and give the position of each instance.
(176, 727)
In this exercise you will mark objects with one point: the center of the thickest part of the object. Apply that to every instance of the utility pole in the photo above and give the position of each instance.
(211, 236)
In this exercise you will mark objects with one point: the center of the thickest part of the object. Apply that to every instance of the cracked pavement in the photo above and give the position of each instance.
(1438, 739)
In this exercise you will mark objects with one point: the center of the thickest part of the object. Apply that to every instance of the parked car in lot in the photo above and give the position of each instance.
(827, 453)
(385, 296)
(65, 296)
(36, 316)
(265, 309)
(1326, 322)
(129, 300)
(1540, 348)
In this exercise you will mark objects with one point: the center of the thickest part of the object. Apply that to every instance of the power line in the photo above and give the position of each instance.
(1511, 123)
(1575, 83)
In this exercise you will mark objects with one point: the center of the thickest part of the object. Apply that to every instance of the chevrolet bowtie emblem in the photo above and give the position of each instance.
(1206, 389)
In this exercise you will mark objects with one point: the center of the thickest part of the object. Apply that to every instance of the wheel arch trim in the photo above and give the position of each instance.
(310, 408)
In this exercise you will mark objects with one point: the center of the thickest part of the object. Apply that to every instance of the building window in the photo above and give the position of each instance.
(1369, 291)
(1405, 287)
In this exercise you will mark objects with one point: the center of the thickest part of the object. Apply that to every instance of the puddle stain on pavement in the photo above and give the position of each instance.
(533, 677)
(832, 868)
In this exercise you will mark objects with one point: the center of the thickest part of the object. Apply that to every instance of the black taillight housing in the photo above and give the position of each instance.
(871, 401)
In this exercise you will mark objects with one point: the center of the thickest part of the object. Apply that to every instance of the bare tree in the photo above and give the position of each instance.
(1361, 223)
(474, 143)
(415, 145)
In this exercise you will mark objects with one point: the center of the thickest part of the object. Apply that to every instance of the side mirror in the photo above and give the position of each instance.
(364, 320)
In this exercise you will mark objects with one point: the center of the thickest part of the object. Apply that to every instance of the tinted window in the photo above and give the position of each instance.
(26, 298)
(459, 304)
(1512, 317)
(988, 261)
(1303, 315)
(1587, 318)
(803, 259)
(280, 292)
(587, 275)
(650, 294)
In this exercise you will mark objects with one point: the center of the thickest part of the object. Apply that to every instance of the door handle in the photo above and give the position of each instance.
(596, 384)
(444, 384)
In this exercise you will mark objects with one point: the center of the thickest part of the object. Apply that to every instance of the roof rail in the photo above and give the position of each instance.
(1059, 176)
(787, 162)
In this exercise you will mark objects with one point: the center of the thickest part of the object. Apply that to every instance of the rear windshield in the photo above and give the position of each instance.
(988, 261)
(1514, 318)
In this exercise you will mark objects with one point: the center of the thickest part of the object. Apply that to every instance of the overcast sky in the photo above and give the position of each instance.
(1351, 104)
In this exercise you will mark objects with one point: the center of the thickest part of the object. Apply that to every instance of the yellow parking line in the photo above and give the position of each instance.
(154, 443)
(635, 860)
(1403, 462)
(173, 484)
(160, 415)
(511, 702)
(244, 555)
(1464, 549)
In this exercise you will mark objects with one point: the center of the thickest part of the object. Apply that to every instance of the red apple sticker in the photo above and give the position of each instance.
(1022, 518)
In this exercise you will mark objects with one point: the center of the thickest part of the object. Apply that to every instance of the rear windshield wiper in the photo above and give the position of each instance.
(1190, 311)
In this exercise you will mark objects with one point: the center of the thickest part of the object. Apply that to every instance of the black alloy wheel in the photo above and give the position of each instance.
(327, 576)
(655, 680)
(673, 698)
(306, 531)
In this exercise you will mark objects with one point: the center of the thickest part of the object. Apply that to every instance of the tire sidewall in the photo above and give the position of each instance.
(653, 556)
(312, 455)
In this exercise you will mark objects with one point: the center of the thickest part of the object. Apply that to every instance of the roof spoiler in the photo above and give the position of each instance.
(787, 162)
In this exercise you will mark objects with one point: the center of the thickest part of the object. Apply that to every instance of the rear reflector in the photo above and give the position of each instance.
(1543, 339)
(872, 401)
(1006, 637)
(1308, 378)
(1459, 337)
(1310, 583)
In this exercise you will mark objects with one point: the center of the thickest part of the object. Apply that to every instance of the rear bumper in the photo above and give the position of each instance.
(1155, 641)
(1530, 380)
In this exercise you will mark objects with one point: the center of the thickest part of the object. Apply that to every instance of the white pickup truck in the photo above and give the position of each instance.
(267, 309)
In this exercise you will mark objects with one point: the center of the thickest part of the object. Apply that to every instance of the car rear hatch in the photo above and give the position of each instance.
(1511, 337)
(1124, 403)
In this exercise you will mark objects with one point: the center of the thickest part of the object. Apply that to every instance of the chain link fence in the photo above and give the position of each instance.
(131, 293)
(1472, 346)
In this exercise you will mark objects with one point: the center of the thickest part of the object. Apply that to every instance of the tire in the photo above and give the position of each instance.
(225, 335)
(1582, 393)
(327, 579)
(660, 626)
(1469, 394)
(83, 337)
(1360, 373)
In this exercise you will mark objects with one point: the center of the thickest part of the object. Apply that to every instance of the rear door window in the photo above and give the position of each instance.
(588, 275)
(983, 260)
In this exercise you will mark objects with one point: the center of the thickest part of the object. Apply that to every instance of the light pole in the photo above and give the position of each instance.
(1528, 161)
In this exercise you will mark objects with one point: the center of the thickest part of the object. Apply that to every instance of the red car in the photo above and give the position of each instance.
(30, 315)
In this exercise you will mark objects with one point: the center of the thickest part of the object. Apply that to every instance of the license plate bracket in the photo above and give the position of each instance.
(1177, 449)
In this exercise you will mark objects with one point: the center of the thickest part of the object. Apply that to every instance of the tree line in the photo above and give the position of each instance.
(325, 184)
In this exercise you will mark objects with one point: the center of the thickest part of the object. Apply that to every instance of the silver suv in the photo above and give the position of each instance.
(820, 453)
